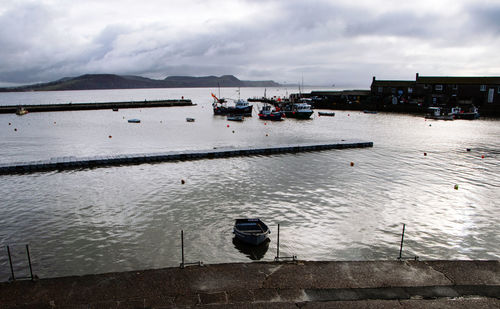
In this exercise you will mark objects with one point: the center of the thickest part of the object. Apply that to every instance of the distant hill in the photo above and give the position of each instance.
(111, 81)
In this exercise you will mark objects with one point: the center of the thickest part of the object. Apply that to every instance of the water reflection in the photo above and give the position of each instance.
(254, 253)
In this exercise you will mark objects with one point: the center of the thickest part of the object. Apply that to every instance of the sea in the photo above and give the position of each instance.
(440, 179)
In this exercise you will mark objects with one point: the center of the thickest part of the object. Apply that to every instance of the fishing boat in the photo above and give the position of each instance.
(241, 107)
(298, 110)
(251, 231)
(267, 113)
(233, 117)
(469, 112)
(331, 114)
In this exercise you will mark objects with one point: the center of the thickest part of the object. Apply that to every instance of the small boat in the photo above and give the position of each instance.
(134, 120)
(235, 117)
(190, 119)
(266, 113)
(251, 231)
(369, 112)
(437, 114)
(21, 111)
(331, 114)
(115, 109)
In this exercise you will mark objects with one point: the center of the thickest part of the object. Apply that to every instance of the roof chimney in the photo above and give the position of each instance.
(373, 78)
(416, 77)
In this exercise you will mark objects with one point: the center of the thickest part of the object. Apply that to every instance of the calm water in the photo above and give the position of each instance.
(130, 217)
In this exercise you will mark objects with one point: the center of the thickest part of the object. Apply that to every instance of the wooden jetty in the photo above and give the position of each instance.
(33, 108)
(71, 162)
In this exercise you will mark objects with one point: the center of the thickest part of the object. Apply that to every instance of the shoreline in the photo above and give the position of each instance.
(302, 284)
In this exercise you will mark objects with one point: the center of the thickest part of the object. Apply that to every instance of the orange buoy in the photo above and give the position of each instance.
(110, 136)
(352, 163)
(482, 157)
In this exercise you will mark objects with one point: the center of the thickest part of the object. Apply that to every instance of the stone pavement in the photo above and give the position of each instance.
(370, 284)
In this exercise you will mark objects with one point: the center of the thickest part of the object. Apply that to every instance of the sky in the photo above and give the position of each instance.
(315, 42)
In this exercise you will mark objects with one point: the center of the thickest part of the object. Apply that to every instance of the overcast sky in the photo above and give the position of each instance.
(342, 42)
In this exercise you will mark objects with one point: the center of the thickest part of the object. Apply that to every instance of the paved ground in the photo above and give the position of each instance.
(379, 284)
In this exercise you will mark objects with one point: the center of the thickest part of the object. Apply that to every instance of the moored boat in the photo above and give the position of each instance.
(188, 119)
(437, 114)
(298, 110)
(241, 107)
(267, 113)
(251, 230)
(134, 120)
(233, 117)
(331, 114)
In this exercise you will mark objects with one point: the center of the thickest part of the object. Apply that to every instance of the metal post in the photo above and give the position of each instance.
(10, 262)
(29, 261)
(278, 248)
(182, 248)
(402, 239)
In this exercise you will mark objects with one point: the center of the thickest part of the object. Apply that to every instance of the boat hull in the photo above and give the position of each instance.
(226, 110)
(298, 114)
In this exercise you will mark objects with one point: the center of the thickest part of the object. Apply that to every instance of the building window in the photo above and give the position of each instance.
(482, 87)
(439, 87)
(381, 89)
(455, 87)
(426, 86)
(498, 90)
(410, 90)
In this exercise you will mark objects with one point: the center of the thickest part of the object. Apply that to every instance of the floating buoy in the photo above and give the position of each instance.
(352, 163)
(425, 153)
(468, 149)
(10, 123)
(233, 131)
(267, 134)
(456, 187)
(182, 181)
(110, 136)
(265, 123)
(348, 114)
(228, 126)
(15, 129)
(54, 122)
(482, 157)
(430, 125)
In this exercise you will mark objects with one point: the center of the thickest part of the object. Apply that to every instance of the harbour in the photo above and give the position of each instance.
(122, 218)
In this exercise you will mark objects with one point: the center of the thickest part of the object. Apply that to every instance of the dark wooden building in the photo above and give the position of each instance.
(481, 91)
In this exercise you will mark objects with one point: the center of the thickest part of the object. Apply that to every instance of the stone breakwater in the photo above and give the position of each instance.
(71, 162)
(303, 284)
(93, 106)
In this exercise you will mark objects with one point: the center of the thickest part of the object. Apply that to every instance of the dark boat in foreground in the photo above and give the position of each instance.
(251, 231)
